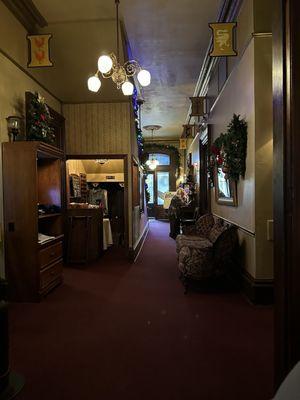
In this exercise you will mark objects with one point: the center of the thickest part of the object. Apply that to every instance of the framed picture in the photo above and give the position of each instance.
(225, 189)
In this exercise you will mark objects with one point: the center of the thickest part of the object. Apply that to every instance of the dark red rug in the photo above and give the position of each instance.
(126, 331)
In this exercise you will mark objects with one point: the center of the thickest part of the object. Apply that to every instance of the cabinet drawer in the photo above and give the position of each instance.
(50, 254)
(50, 274)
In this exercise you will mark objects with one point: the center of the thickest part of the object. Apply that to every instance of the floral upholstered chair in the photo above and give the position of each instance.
(207, 251)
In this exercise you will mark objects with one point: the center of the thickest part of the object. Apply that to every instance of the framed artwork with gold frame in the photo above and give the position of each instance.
(225, 189)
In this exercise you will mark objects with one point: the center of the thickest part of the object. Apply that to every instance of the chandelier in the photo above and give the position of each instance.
(110, 67)
(152, 162)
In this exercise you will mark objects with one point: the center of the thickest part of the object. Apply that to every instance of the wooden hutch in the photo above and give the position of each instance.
(32, 176)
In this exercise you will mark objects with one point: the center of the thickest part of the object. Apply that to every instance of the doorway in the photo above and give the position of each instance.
(159, 182)
(97, 183)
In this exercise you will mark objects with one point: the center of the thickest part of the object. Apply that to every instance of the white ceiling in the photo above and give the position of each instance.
(168, 37)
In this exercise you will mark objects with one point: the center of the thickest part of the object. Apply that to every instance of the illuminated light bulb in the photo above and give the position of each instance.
(152, 164)
(104, 64)
(144, 77)
(94, 83)
(127, 88)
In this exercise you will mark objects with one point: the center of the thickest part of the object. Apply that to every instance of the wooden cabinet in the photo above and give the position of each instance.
(85, 235)
(32, 178)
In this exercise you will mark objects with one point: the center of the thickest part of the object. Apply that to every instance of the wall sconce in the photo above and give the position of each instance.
(13, 126)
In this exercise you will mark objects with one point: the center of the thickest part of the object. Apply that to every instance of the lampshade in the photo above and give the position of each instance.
(13, 122)
(94, 83)
(127, 88)
(104, 64)
(144, 77)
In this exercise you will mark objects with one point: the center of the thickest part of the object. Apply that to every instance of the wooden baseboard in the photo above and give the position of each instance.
(258, 291)
(134, 252)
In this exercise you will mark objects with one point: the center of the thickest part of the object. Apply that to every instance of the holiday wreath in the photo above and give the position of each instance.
(229, 151)
(39, 120)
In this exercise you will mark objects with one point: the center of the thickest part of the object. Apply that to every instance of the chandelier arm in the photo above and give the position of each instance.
(132, 67)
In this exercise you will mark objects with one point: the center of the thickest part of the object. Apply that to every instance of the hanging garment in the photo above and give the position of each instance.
(97, 196)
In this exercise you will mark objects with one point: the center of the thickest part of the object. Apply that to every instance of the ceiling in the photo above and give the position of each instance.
(168, 37)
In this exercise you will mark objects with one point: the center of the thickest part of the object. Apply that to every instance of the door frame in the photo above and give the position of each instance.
(204, 188)
(123, 157)
(286, 118)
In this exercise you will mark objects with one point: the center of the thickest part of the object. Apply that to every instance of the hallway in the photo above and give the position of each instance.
(118, 330)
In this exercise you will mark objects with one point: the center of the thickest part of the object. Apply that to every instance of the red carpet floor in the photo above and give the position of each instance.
(126, 331)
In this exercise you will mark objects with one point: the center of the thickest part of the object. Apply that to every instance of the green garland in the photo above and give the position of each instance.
(39, 121)
(149, 148)
(229, 150)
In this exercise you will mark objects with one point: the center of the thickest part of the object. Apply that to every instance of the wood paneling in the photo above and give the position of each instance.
(93, 128)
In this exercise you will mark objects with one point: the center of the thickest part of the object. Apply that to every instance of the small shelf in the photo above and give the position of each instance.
(54, 240)
(44, 216)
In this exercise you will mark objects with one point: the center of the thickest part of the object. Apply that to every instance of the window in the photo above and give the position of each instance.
(163, 186)
(150, 183)
(163, 159)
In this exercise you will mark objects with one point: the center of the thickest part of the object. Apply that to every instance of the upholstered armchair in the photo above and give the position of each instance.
(207, 251)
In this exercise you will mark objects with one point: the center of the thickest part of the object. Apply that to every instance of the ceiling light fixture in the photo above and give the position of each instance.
(152, 162)
(110, 67)
(101, 161)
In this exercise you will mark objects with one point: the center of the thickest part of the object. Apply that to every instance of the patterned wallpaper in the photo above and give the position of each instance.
(97, 128)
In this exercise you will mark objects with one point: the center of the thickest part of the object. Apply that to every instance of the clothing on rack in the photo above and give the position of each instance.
(98, 195)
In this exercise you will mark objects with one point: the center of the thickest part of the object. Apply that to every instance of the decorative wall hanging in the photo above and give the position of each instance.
(223, 39)
(229, 151)
(182, 144)
(39, 51)
(39, 121)
(198, 106)
(188, 131)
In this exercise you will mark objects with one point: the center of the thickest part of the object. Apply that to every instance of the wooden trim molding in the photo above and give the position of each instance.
(258, 291)
(286, 189)
(135, 251)
(26, 13)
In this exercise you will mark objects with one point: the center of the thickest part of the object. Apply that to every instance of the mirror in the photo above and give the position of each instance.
(225, 189)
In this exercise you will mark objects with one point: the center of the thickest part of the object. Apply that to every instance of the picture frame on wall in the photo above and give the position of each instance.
(225, 189)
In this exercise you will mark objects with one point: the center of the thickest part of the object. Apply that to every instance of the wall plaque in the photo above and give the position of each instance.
(39, 51)
(223, 39)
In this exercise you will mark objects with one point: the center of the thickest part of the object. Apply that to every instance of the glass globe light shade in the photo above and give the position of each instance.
(104, 64)
(152, 164)
(127, 88)
(144, 77)
(94, 83)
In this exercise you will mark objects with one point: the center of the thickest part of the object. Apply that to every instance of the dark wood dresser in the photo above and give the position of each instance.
(32, 176)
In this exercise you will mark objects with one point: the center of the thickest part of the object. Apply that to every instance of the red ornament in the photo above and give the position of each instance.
(215, 150)
(42, 116)
(220, 160)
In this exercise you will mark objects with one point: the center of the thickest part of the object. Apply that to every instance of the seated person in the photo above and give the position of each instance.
(178, 201)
